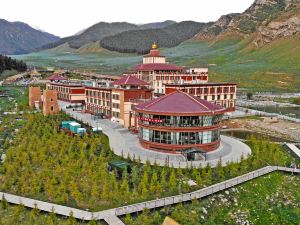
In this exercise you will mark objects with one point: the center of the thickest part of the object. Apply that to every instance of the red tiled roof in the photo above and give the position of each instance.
(56, 77)
(153, 53)
(180, 103)
(157, 66)
(129, 80)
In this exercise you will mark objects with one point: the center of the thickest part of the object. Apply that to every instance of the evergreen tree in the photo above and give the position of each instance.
(172, 181)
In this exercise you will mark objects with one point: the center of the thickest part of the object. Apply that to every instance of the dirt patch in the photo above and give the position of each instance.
(280, 128)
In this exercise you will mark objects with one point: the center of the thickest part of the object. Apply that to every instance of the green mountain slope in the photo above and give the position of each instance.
(274, 67)
(20, 38)
(139, 41)
(93, 34)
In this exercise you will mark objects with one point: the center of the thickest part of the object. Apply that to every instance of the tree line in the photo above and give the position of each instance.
(139, 41)
(8, 63)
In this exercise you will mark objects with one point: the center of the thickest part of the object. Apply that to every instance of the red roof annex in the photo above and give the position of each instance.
(180, 102)
(157, 66)
(56, 77)
(129, 80)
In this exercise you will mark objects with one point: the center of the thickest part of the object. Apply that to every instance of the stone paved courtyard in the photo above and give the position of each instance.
(123, 142)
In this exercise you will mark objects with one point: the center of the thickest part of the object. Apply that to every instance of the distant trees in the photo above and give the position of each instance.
(139, 41)
(7, 63)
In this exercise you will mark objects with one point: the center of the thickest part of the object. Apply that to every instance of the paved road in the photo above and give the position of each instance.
(111, 215)
(122, 142)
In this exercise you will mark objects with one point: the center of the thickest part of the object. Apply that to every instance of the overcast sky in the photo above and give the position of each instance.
(67, 17)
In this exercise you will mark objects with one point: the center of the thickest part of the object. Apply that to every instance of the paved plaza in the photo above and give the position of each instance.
(123, 142)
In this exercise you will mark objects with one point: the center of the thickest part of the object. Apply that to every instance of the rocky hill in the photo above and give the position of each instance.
(265, 20)
(20, 38)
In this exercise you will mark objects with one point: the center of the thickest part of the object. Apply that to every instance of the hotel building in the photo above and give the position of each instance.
(166, 78)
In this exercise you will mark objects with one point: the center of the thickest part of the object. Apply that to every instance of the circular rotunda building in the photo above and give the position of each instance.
(179, 122)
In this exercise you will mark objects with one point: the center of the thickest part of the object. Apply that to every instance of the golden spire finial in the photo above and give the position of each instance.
(154, 45)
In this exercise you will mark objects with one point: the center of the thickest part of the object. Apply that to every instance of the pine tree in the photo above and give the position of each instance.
(154, 183)
(219, 172)
(4, 203)
(172, 181)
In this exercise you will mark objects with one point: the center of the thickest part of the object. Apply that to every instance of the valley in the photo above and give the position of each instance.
(269, 68)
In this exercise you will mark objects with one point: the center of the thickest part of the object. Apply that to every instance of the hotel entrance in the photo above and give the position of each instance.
(193, 154)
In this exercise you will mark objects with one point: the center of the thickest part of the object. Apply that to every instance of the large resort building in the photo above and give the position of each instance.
(172, 108)
(166, 78)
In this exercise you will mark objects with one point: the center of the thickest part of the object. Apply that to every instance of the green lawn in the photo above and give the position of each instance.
(17, 99)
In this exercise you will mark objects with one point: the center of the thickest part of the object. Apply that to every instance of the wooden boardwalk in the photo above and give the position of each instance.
(294, 149)
(111, 215)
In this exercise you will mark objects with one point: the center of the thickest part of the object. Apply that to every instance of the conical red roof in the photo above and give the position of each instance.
(130, 80)
(180, 103)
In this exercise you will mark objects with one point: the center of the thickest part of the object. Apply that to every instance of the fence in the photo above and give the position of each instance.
(261, 113)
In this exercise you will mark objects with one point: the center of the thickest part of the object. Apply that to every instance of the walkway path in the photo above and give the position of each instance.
(294, 149)
(122, 142)
(111, 215)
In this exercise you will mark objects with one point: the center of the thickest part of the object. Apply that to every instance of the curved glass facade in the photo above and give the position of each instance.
(179, 138)
(179, 121)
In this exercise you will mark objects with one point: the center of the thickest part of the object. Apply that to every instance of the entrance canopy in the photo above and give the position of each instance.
(190, 153)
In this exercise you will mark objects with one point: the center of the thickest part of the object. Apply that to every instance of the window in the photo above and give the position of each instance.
(52, 108)
(51, 100)
(116, 97)
(145, 134)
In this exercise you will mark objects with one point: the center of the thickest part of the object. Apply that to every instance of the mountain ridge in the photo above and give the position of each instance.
(19, 38)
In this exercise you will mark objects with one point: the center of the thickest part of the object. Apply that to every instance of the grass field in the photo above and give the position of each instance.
(17, 98)
(275, 67)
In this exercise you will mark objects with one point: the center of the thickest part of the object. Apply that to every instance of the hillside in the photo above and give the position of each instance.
(138, 41)
(93, 34)
(91, 40)
(20, 38)
(157, 25)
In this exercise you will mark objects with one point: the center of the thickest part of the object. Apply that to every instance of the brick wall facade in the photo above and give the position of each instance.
(50, 102)
(34, 95)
